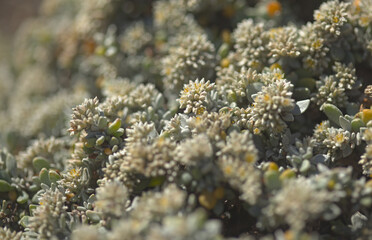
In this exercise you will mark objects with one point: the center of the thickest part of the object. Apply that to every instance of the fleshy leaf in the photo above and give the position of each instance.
(40, 163)
(332, 112)
(4, 186)
(345, 124)
(301, 107)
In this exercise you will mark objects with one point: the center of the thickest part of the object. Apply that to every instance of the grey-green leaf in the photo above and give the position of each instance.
(252, 89)
(24, 221)
(301, 107)
(305, 166)
(11, 164)
(44, 176)
(320, 158)
(119, 132)
(22, 198)
(271, 179)
(93, 216)
(39, 163)
(332, 112)
(32, 207)
(344, 123)
(54, 176)
(102, 122)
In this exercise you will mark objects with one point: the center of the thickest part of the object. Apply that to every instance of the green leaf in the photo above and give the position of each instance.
(92, 198)
(86, 176)
(159, 101)
(352, 108)
(44, 176)
(22, 198)
(100, 140)
(301, 93)
(347, 151)
(93, 216)
(320, 158)
(271, 180)
(24, 221)
(11, 164)
(32, 207)
(34, 188)
(114, 126)
(90, 142)
(40, 163)
(119, 132)
(332, 112)
(54, 176)
(305, 166)
(102, 123)
(223, 50)
(114, 141)
(4, 186)
(356, 124)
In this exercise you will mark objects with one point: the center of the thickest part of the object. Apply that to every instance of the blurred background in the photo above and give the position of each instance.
(12, 13)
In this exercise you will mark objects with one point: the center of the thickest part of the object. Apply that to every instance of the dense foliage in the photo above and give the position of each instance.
(188, 119)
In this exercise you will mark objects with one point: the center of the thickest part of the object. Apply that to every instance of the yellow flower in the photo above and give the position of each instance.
(74, 173)
(250, 158)
(317, 44)
(320, 127)
(286, 102)
(267, 98)
(256, 131)
(275, 65)
(339, 138)
(200, 111)
(319, 16)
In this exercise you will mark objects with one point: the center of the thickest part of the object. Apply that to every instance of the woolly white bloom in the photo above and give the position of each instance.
(195, 96)
(272, 107)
